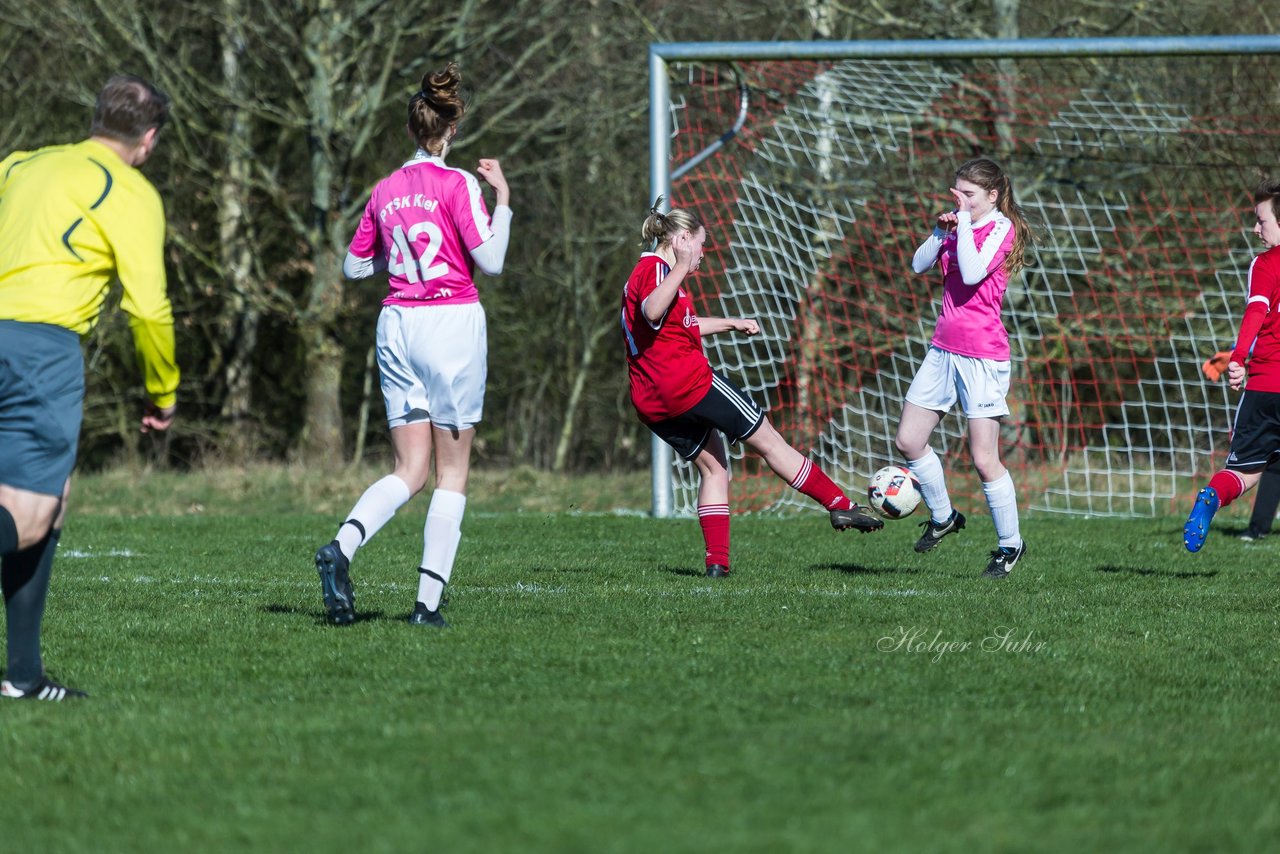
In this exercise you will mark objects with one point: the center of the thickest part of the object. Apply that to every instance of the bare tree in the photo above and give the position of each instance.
(286, 113)
(240, 321)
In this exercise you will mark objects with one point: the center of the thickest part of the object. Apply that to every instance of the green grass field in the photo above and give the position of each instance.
(596, 693)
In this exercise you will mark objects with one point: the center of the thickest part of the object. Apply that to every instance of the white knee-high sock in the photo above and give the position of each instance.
(374, 509)
(440, 539)
(1003, 501)
(933, 484)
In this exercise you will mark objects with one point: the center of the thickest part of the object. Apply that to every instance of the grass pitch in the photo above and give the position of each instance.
(596, 693)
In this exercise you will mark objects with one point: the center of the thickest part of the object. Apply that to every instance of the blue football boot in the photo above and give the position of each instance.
(1197, 527)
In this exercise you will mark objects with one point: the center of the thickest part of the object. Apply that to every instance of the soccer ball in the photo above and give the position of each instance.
(894, 492)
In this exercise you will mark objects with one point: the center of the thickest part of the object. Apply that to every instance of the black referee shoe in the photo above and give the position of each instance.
(45, 689)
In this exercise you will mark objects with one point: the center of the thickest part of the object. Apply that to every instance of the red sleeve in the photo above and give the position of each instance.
(1262, 291)
(1254, 315)
(636, 290)
(649, 280)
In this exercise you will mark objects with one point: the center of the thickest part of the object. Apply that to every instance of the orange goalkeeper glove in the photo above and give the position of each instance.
(1215, 367)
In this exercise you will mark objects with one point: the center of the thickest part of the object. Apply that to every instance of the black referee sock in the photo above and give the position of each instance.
(1268, 498)
(8, 533)
(24, 577)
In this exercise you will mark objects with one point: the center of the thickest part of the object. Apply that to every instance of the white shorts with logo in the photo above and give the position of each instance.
(980, 385)
(434, 362)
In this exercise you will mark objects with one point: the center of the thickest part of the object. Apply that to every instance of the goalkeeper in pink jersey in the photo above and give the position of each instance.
(978, 246)
(1255, 434)
(687, 404)
(426, 226)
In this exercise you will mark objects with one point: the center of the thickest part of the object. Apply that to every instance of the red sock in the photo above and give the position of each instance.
(813, 482)
(1228, 485)
(714, 519)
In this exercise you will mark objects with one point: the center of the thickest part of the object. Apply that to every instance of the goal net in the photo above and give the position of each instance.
(1136, 174)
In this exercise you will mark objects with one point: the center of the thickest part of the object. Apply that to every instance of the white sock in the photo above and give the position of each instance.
(933, 484)
(374, 509)
(1003, 501)
(440, 540)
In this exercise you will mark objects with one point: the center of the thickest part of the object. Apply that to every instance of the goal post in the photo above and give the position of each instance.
(818, 167)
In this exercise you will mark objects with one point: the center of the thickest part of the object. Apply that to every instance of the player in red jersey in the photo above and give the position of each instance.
(1268, 497)
(1255, 435)
(687, 404)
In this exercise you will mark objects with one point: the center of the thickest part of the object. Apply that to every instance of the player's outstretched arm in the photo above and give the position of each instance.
(716, 325)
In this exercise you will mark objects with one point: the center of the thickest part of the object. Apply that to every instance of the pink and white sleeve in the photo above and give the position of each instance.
(976, 264)
(364, 255)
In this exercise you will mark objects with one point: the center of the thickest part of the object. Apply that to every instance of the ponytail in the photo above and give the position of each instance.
(659, 227)
(1005, 203)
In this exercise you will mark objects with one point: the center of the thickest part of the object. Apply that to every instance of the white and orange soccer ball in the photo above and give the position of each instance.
(894, 492)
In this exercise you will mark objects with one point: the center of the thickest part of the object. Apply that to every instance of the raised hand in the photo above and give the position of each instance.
(490, 171)
(682, 244)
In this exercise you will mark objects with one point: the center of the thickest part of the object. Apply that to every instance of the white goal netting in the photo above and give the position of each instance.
(1135, 174)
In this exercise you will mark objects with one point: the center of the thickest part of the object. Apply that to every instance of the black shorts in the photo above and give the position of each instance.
(725, 408)
(1255, 435)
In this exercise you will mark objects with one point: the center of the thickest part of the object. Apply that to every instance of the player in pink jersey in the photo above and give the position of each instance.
(1255, 434)
(978, 245)
(427, 227)
(687, 404)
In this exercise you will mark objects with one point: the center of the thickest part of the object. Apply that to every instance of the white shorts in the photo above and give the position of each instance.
(979, 384)
(434, 362)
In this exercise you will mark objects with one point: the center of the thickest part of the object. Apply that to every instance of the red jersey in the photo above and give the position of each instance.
(669, 373)
(1259, 340)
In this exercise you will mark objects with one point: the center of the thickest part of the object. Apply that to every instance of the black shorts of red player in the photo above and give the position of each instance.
(725, 408)
(1255, 435)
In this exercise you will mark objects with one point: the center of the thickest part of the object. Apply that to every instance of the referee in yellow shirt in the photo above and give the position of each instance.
(72, 219)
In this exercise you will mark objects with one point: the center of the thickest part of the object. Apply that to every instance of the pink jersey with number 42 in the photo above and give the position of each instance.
(424, 219)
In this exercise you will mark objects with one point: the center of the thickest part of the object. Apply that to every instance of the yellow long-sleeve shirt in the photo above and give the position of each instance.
(72, 218)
